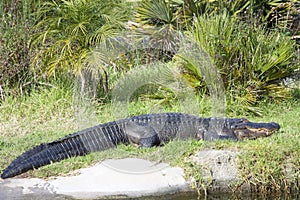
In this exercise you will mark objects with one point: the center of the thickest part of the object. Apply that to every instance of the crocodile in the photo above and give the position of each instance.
(146, 130)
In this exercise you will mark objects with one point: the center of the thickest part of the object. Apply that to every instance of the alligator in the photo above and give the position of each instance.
(146, 130)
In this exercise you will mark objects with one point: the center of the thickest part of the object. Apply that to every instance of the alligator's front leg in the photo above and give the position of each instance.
(141, 134)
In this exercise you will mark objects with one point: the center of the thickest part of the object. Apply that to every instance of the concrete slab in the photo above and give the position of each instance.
(130, 177)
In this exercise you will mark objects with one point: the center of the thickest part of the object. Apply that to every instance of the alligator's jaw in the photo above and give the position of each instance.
(252, 130)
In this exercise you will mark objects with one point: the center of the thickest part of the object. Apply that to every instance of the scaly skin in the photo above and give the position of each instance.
(144, 130)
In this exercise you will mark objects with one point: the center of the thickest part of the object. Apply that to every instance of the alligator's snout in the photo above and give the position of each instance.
(252, 130)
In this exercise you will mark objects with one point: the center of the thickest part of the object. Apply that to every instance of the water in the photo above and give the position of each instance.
(179, 196)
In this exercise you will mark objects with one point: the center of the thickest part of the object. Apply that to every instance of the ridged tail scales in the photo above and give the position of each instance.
(97, 138)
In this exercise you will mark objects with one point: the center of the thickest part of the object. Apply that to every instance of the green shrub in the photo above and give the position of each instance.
(252, 60)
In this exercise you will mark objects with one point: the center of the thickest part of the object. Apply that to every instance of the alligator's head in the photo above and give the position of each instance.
(251, 130)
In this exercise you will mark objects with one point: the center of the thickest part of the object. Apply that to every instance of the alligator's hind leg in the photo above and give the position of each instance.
(142, 134)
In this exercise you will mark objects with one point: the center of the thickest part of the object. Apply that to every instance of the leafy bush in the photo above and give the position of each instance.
(67, 31)
(252, 60)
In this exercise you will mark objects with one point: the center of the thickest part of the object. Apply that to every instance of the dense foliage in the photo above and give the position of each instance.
(252, 60)
(252, 43)
(66, 31)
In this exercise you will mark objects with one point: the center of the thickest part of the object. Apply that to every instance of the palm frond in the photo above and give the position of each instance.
(68, 28)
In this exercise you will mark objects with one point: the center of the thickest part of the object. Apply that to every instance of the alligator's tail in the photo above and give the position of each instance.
(97, 138)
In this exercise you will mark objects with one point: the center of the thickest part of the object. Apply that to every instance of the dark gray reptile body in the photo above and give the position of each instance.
(145, 130)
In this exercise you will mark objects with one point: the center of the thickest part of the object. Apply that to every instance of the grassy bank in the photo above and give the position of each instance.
(268, 164)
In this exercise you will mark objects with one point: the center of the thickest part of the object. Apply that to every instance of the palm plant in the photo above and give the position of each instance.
(156, 25)
(67, 30)
(158, 21)
(252, 60)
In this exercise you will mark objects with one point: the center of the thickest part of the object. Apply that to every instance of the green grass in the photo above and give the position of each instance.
(268, 164)
(273, 163)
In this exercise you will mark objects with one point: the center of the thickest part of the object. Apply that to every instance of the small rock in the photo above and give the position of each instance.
(219, 168)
